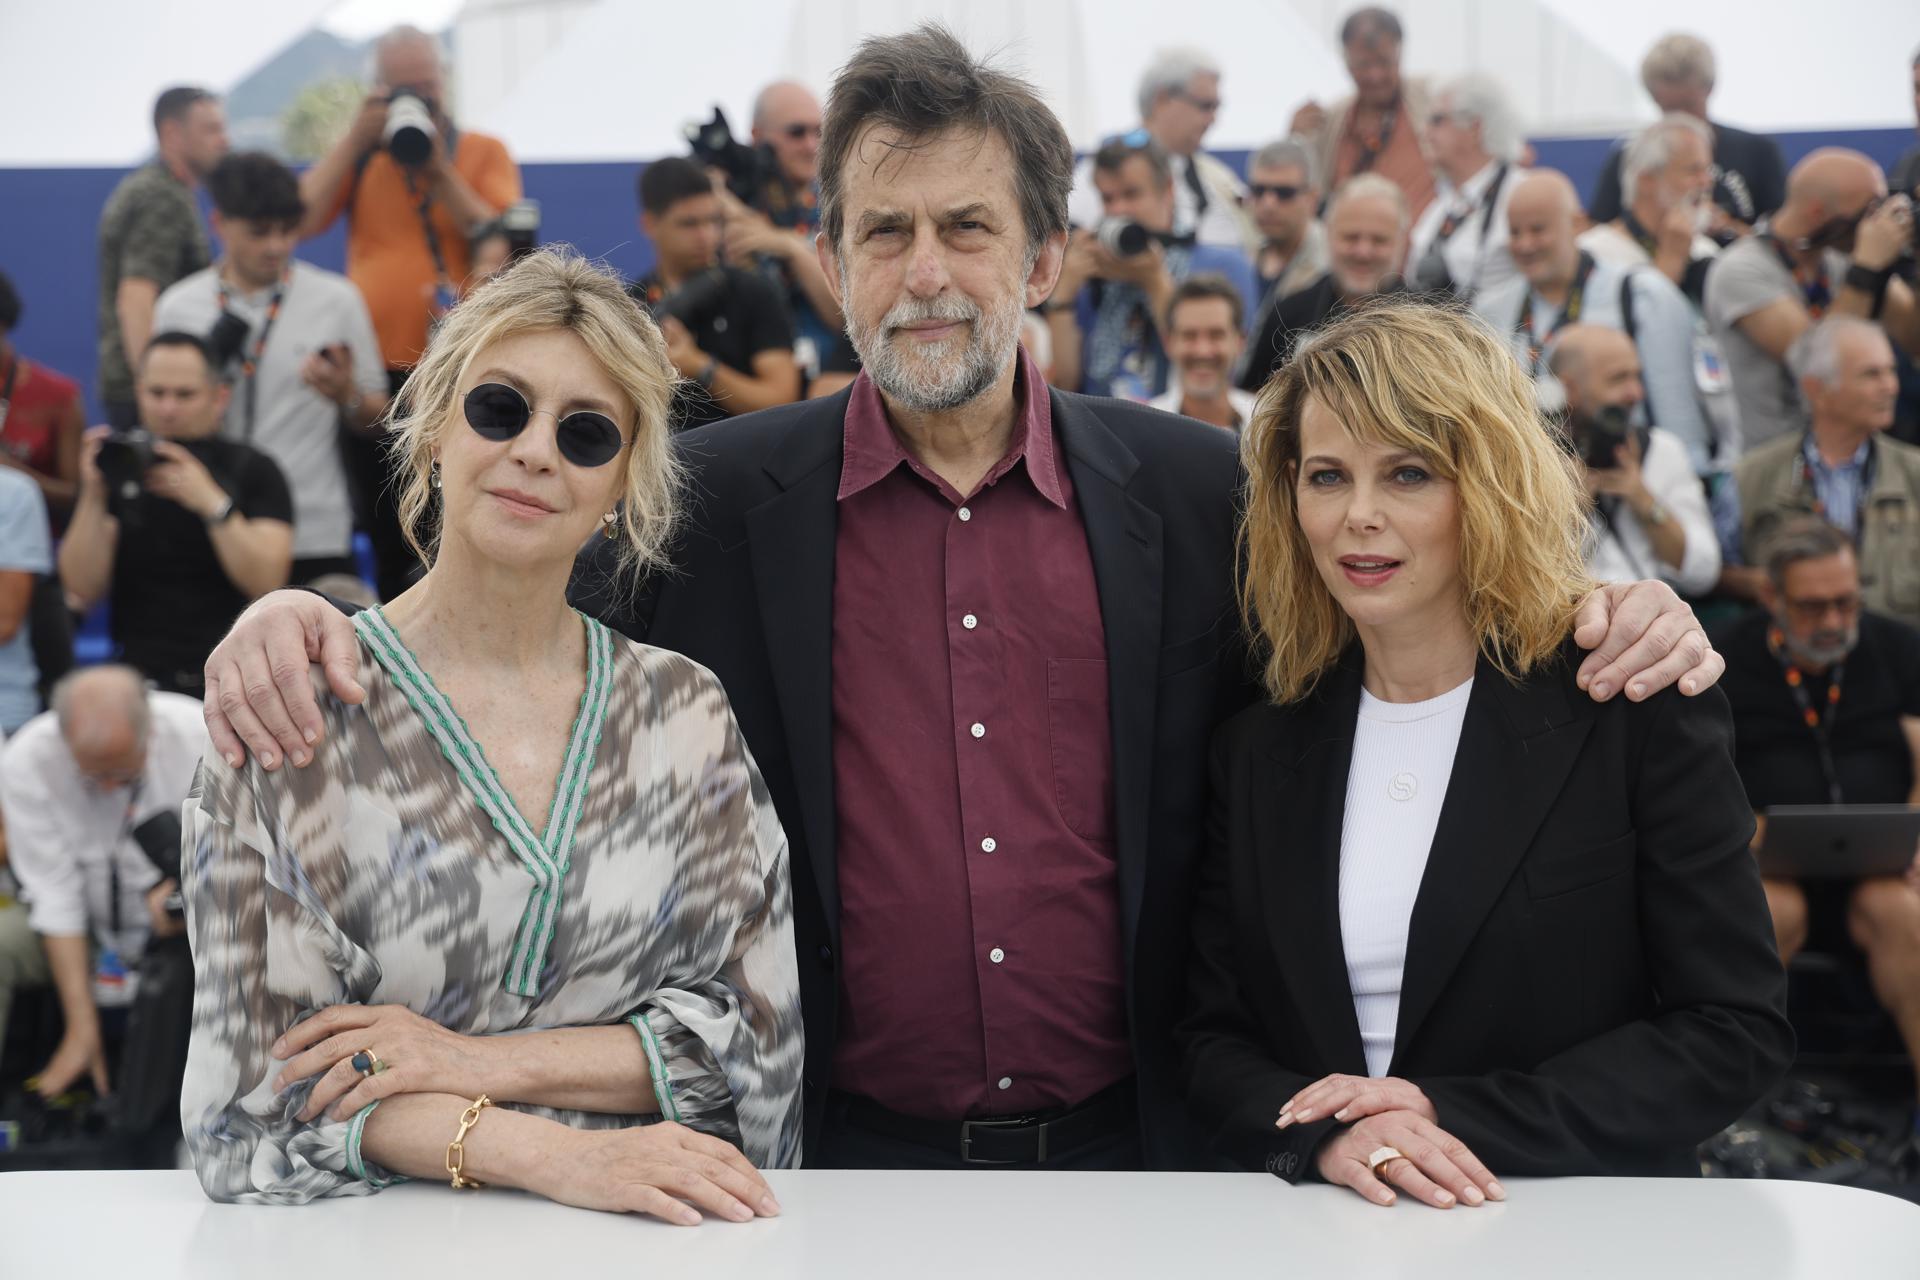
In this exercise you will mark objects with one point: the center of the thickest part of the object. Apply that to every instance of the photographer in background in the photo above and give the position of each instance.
(1650, 516)
(299, 344)
(1205, 336)
(1110, 301)
(91, 794)
(150, 235)
(208, 522)
(413, 187)
(727, 329)
(774, 231)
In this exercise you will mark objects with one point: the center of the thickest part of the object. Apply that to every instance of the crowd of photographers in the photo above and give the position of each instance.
(1724, 342)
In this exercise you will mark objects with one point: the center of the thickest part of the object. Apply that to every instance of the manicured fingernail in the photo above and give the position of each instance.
(1496, 1191)
(689, 1218)
(1637, 691)
(737, 1212)
(1286, 1118)
(1692, 685)
(1583, 680)
(1340, 1114)
(312, 736)
(268, 761)
(768, 1205)
(1386, 1197)
(1444, 1197)
(1473, 1196)
(300, 758)
(235, 761)
(1601, 689)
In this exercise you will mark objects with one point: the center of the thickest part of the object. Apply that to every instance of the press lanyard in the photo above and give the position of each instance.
(6, 392)
(1818, 722)
(250, 364)
(1369, 154)
(113, 860)
(1488, 200)
(1569, 314)
(1816, 293)
(1813, 490)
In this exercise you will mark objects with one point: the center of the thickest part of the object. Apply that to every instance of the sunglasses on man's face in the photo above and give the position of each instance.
(797, 130)
(1257, 191)
(498, 412)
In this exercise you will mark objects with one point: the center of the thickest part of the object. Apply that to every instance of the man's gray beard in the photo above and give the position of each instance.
(954, 378)
(1821, 655)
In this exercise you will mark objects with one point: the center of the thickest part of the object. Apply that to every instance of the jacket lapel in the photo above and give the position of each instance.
(1517, 746)
(1299, 807)
(791, 541)
(1124, 539)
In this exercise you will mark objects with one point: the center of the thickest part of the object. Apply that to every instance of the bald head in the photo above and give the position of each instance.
(1542, 217)
(102, 712)
(1598, 367)
(1830, 184)
(409, 58)
(786, 117)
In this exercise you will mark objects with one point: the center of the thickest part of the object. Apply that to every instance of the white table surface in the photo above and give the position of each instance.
(988, 1225)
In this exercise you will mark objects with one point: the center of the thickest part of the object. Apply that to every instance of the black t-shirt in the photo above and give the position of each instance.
(1773, 748)
(171, 601)
(1749, 182)
(749, 317)
(1298, 314)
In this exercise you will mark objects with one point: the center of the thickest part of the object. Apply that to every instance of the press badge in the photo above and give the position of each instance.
(113, 986)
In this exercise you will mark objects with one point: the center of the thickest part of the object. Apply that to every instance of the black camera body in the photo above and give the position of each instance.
(125, 456)
(750, 170)
(1596, 438)
(697, 297)
(225, 340)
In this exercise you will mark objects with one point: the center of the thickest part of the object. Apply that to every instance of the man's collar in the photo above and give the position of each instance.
(1810, 449)
(1476, 186)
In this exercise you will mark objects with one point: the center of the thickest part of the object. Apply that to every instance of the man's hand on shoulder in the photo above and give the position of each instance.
(1644, 637)
(260, 695)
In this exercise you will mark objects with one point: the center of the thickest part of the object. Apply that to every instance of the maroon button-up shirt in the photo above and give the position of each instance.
(981, 967)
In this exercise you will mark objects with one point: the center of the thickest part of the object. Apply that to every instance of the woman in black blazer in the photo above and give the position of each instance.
(1534, 916)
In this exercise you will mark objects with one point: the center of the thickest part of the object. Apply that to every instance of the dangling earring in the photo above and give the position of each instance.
(433, 476)
(609, 525)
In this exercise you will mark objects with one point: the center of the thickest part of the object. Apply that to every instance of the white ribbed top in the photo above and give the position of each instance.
(1402, 758)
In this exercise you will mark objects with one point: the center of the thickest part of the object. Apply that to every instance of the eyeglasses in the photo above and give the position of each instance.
(1813, 610)
(798, 130)
(1201, 104)
(498, 412)
(1257, 190)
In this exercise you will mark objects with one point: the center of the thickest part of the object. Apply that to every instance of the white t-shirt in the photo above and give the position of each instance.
(1402, 760)
(1475, 261)
(1241, 401)
(65, 836)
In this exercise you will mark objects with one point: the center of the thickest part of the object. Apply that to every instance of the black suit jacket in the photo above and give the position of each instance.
(1591, 981)
(750, 597)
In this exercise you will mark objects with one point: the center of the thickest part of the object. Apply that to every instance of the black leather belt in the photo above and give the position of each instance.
(1033, 1138)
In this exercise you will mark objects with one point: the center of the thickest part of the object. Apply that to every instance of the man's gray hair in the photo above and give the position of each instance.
(1678, 59)
(405, 33)
(1652, 148)
(1816, 352)
(1171, 71)
(61, 698)
(1286, 154)
(1798, 538)
(1363, 185)
(1478, 96)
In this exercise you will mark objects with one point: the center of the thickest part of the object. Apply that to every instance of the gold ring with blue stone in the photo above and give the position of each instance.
(367, 1063)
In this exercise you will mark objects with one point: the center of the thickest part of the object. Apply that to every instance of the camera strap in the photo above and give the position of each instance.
(1819, 721)
(1816, 293)
(1372, 150)
(1569, 314)
(113, 858)
(250, 362)
(1819, 506)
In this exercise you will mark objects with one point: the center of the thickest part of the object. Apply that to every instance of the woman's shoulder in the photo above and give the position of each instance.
(668, 684)
(1662, 712)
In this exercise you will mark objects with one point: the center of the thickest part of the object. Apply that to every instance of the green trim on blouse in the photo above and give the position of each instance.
(356, 1163)
(656, 1068)
(545, 857)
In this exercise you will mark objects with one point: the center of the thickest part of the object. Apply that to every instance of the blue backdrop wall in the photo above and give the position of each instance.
(48, 216)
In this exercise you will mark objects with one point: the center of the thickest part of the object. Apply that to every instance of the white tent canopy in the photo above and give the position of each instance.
(617, 79)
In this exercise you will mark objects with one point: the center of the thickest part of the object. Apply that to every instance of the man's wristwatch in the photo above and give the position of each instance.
(1870, 282)
(221, 512)
(1656, 514)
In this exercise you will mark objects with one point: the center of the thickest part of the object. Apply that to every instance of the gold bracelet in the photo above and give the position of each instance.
(457, 1149)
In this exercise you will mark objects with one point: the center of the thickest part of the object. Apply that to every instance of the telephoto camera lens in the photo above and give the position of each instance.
(1124, 238)
(409, 134)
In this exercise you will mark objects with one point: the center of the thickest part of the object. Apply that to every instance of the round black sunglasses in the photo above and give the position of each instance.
(498, 412)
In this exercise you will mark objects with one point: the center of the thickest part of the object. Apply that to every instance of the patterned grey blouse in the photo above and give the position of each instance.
(395, 869)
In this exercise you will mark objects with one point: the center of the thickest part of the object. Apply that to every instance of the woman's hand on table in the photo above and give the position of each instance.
(1428, 1163)
(416, 1055)
(1348, 1098)
(664, 1169)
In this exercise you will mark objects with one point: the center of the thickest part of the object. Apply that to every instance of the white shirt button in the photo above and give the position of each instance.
(965, 515)
(996, 955)
(979, 730)
(989, 845)
(1006, 1082)
(969, 622)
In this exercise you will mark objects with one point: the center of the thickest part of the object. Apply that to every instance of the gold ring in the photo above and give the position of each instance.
(367, 1063)
(1380, 1156)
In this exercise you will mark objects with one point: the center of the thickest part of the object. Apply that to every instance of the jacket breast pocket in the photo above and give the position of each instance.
(1552, 872)
(1080, 733)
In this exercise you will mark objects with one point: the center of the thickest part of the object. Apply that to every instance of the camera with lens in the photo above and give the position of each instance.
(1123, 237)
(226, 338)
(518, 224)
(125, 456)
(1596, 438)
(751, 171)
(697, 297)
(410, 131)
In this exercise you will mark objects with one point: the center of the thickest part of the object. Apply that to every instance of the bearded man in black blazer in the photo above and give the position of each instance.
(977, 633)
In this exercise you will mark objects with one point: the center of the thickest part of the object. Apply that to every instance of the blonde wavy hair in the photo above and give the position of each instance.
(1438, 382)
(551, 288)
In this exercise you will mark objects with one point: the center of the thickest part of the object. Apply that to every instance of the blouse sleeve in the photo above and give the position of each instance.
(260, 891)
(726, 1053)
